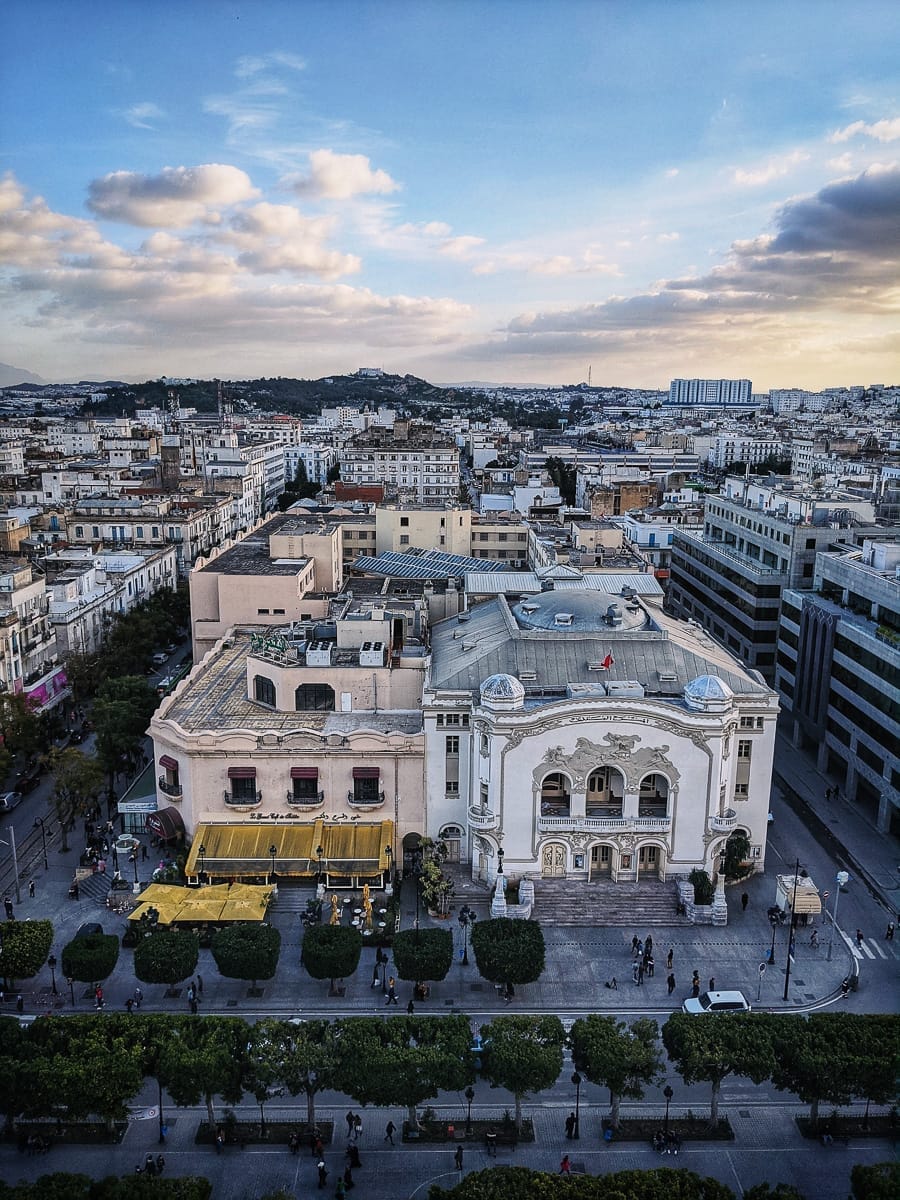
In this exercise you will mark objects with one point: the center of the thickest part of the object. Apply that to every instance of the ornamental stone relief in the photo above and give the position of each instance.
(620, 750)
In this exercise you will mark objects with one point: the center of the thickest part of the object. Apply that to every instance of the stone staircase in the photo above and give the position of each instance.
(571, 902)
(95, 887)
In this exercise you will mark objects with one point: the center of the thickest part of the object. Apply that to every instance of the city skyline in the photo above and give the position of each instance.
(502, 191)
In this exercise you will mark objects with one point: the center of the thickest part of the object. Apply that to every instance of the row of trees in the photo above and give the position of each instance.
(96, 1064)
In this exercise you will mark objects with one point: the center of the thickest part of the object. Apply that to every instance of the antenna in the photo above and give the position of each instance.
(590, 369)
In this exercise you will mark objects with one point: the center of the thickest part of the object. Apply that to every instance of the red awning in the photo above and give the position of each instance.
(242, 772)
(167, 761)
(167, 823)
(366, 772)
(304, 772)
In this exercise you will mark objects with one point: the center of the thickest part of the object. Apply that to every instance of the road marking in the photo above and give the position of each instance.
(877, 948)
(865, 949)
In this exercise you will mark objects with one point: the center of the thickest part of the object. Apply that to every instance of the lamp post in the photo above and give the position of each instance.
(576, 1131)
(793, 926)
(840, 879)
(71, 982)
(273, 850)
(668, 1093)
(40, 821)
(389, 885)
(466, 918)
(469, 1094)
(51, 963)
(201, 854)
(133, 858)
(320, 854)
(12, 845)
(499, 860)
(773, 921)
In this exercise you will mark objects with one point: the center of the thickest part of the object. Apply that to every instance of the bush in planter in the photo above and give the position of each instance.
(737, 852)
(167, 956)
(436, 887)
(703, 886)
(422, 955)
(331, 951)
(92, 958)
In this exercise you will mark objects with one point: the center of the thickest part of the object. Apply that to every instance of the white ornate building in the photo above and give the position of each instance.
(590, 734)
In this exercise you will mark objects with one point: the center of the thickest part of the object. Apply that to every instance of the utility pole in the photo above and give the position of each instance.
(12, 845)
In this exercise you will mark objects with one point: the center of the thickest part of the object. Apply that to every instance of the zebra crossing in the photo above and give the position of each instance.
(871, 948)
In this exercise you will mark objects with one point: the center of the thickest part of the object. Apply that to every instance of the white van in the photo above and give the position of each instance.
(716, 1002)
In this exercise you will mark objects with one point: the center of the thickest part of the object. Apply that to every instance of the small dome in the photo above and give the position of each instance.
(503, 688)
(707, 691)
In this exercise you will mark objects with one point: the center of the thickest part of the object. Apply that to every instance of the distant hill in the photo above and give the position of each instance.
(10, 376)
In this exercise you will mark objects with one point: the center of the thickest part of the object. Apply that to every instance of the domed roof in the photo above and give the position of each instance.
(572, 609)
(502, 687)
(708, 688)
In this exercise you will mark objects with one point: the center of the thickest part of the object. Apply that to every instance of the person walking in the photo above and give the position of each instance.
(323, 1172)
(648, 945)
(458, 1158)
(570, 1125)
(200, 986)
(634, 945)
(350, 1118)
(695, 985)
(859, 937)
(650, 965)
(160, 1164)
(190, 993)
(392, 992)
(670, 983)
(670, 958)
(8, 905)
(745, 900)
(357, 1128)
(640, 974)
(889, 932)
(410, 1008)
(565, 1167)
(376, 973)
(129, 1005)
(712, 983)
(348, 1177)
(20, 1003)
(634, 971)
(138, 997)
(31, 889)
(389, 1131)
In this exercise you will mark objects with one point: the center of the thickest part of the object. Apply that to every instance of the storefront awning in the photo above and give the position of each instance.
(167, 823)
(242, 850)
(304, 772)
(242, 772)
(366, 772)
(167, 761)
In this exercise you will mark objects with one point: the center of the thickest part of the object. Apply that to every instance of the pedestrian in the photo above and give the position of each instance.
(640, 974)
(651, 965)
(392, 992)
(458, 1158)
(639, 949)
(889, 932)
(353, 1155)
(8, 905)
(138, 997)
(357, 1128)
(570, 1125)
(200, 986)
(150, 1166)
(695, 985)
(745, 900)
(348, 1177)
(509, 994)
(375, 973)
(350, 1118)
(20, 1003)
(859, 937)
(98, 995)
(712, 983)
(670, 958)
(670, 983)
(340, 1190)
(129, 1005)
(323, 1172)
(318, 1145)
(634, 945)
(143, 852)
(389, 1131)
(190, 992)
(160, 1164)
(828, 793)
(648, 945)
(565, 1167)
(634, 971)
(195, 1007)
(31, 888)
(410, 1008)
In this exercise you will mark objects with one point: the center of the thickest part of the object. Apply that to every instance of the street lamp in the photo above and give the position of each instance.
(51, 963)
(469, 1094)
(40, 821)
(841, 880)
(389, 855)
(12, 845)
(668, 1093)
(576, 1131)
(71, 982)
(790, 956)
(134, 859)
(499, 860)
(273, 850)
(466, 918)
(320, 854)
(773, 921)
(201, 854)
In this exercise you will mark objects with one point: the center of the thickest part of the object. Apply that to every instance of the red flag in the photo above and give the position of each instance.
(608, 662)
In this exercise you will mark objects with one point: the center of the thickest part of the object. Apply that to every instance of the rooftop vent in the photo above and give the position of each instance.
(667, 676)
(530, 608)
(527, 676)
(563, 618)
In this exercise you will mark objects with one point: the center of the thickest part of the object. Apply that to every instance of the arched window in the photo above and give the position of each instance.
(264, 690)
(314, 697)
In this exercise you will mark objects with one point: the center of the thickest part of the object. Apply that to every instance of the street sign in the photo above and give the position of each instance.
(762, 968)
(825, 895)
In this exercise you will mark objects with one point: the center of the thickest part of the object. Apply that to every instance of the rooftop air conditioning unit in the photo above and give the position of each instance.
(318, 654)
(372, 654)
(625, 689)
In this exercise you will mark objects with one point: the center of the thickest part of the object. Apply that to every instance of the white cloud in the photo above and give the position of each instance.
(250, 65)
(668, 237)
(272, 238)
(881, 131)
(143, 116)
(341, 176)
(175, 198)
(672, 172)
(843, 162)
(461, 246)
(775, 168)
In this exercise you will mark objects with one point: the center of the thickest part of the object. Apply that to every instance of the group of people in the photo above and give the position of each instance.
(666, 1142)
(352, 1161)
(643, 962)
(152, 1166)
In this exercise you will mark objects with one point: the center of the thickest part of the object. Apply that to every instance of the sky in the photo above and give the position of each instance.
(513, 191)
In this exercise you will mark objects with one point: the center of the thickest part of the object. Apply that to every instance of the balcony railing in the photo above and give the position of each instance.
(169, 789)
(244, 800)
(365, 801)
(483, 818)
(604, 824)
(723, 822)
(313, 800)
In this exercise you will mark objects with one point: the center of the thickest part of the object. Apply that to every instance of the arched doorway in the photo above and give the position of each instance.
(553, 860)
(601, 861)
(451, 836)
(410, 849)
(605, 793)
(555, 798)
(653, 798)
(651, 861)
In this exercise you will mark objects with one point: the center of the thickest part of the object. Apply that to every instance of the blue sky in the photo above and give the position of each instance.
(505, 190)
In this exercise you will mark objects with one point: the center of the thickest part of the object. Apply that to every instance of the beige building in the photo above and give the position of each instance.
(419, 462)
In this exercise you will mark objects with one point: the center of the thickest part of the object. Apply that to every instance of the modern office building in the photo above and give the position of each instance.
(716, 393)
(838, 673)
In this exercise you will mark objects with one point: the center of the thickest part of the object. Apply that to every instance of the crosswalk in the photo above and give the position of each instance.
(871, 948)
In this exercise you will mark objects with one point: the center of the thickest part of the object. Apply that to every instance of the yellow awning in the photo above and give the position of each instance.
(807, 898)
(242, 910)
(237, 851)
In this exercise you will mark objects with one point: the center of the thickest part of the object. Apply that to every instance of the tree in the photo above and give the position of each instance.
(92, 958)
(421, 954)
(26, 945)
(204, 1059)
(703, 886)
(623, 1058)
(121, 714)
(306, 1053)
(500, 1183)
(334, 473)
(78, 781)
(522, 1054)
(247, 951)
(331, 951)
(508, 951)
(21, 729)
(881, 1181)
(437, 888)
(167, 956)
(13, 1053)
(780, 1191)
(737, 852)
(404, 1060)
(812, 1057)
(710, 1047)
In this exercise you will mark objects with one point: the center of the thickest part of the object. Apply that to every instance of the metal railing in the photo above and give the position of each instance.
(311, 800)
(365, 801)
(169, 789)
(242, 801)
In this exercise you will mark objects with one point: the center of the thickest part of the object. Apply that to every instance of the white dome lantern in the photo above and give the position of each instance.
(708, 693)
(502, 692)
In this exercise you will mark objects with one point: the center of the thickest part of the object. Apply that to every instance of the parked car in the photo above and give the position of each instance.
(716, 1002)
(28, 778)
(9, 801)
(88, 929)
(160, 658)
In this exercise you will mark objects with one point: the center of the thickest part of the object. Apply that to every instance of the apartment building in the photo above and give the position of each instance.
(838, 672)
(412, 457)
(29, 654)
